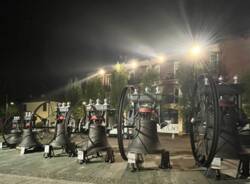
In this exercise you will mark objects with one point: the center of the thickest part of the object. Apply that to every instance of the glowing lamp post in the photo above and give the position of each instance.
(160, 59)
(195, 53)
(101, 72)
(134, 64)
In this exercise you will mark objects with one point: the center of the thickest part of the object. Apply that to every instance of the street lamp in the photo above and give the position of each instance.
(118, 67)
(101, 71)
(161, 58)
(196, 50)
(133, 64)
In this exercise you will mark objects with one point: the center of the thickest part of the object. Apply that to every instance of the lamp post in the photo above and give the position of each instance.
(133, 65)
(160, 59)
(101, 71)
(195, 53)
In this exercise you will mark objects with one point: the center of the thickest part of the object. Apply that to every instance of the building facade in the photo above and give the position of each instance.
(48, 110)
(235, 56)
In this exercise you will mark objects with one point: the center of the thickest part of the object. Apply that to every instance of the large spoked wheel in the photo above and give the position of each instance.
(70, 125)
(44, 125)
(12, 131)
(204, 121)
(126, 126)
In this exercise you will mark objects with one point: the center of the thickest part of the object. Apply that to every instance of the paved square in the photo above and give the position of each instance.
(33, 168)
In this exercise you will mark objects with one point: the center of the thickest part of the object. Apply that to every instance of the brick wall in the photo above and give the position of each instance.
(235, 56)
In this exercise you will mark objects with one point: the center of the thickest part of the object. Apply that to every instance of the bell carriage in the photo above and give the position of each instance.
(12, 131)
(219, 128)
(62, 129)
(96, 123)
(138, 115)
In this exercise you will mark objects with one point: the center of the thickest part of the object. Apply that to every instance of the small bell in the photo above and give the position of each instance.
(157, 90)
(235, 78)
(105, 101)
(220, 79)
(206, 81)
(97, 101)
(135, 92)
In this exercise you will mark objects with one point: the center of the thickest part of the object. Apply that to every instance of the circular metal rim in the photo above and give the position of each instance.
(120, 137)
(216, 127)
(33, 115)
(3, 135)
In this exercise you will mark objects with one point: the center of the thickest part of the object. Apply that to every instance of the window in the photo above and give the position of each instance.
(170, 115)
(214, 58)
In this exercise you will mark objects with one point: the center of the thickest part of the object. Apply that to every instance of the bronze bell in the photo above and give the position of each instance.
(146, 140)
(28, 139)
(97, 140)
(61, 139)
(14, 138)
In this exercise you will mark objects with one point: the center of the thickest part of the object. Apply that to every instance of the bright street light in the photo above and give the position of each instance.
(134, 64)
(101, 71)
(196, 50)
(118, 67)
(161, 58)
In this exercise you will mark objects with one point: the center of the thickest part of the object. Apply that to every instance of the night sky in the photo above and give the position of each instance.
(44, 43)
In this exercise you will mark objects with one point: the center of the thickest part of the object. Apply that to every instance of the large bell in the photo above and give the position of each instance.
(14, 137)
(97, 140)
(29, 139)
(146, 139)
(61, 139)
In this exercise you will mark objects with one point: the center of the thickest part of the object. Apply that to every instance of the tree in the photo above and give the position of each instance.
(149, 77)
(119, 79)
(93, 89)
(73, 92)
(186, 78)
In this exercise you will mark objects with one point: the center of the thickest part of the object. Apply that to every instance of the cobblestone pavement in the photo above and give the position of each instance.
(33, 168)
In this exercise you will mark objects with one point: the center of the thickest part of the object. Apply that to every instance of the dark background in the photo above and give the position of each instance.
(44, 43)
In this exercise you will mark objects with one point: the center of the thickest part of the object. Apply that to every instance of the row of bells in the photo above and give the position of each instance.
(27, 139)
(146, 140)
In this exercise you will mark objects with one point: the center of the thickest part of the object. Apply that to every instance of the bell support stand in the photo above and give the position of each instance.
(29, 142)
(12, 130)
(219, 129)
(97, 142)
(138, 115)
(61, 138)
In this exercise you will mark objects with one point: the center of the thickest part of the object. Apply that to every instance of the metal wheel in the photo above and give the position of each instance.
(12, 130)
(126, 121)
(45, 122)
(70, 124)
(204, 121)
